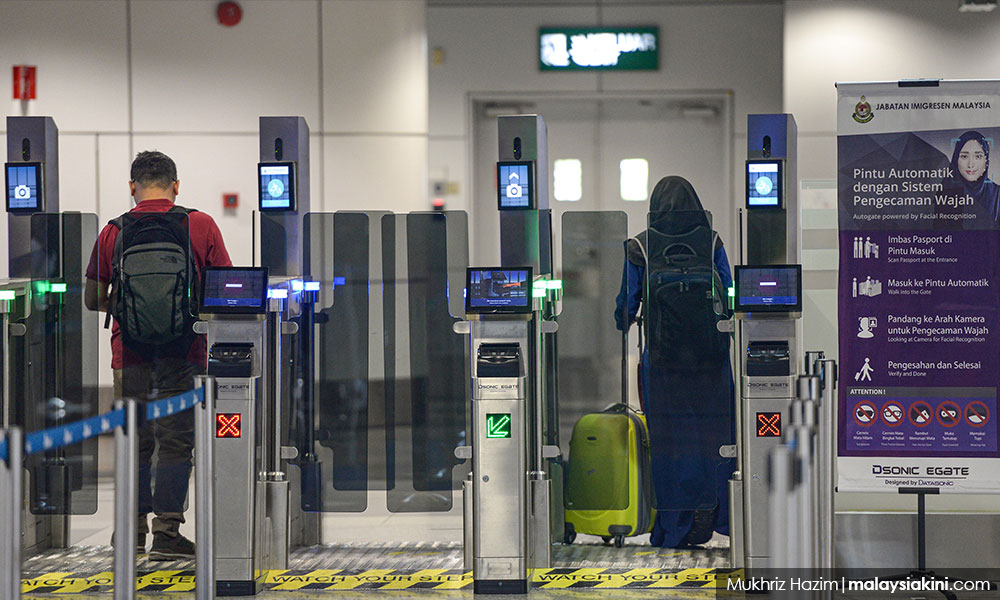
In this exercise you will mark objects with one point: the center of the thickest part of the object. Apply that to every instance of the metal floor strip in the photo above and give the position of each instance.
(387, 566)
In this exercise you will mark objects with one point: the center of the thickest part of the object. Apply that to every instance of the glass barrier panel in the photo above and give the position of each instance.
(590, 354)
(55, 368)
(426, 376)
(340, 259)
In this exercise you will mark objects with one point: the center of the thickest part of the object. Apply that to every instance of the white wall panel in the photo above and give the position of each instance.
(875, 40)
(710, 47)
(446, 160)
(376, 173)
(192, 74)
(375, 66)
(77, 172)
(233, 161)
(494, 48)
(114, 164)
(80, 51)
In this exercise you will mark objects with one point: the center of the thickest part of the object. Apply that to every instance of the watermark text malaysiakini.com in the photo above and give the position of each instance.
(798, 584)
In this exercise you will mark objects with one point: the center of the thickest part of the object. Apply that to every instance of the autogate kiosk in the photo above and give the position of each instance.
(767, 307)
(234, 305)
(500, 324)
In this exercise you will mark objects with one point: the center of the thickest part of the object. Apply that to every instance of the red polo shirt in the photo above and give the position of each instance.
(209, 251)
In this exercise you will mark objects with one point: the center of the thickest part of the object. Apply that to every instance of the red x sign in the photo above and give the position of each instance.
(227, 425)
(769, 424)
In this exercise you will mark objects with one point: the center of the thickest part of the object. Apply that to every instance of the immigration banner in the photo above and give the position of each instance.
(919, 289)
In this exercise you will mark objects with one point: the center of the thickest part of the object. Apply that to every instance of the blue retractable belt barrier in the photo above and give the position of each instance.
(174, 404)
(3, 450)
(65, 435)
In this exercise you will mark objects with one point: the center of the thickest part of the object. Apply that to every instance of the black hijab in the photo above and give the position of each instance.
(671, 194)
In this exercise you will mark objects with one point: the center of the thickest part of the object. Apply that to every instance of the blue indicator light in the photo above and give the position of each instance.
(297, 285)
(312, 286)
(277, 293)
(339, 281)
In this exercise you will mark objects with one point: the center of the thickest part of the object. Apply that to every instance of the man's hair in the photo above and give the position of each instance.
(153, 169)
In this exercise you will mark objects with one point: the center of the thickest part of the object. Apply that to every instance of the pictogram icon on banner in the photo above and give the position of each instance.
(948, 413)
(865, 413)
(977, 413)
(921, 413)
(892, 413)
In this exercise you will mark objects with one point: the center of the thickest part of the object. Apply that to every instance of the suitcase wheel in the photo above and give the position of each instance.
(569, 536)
(619, 540)
(606, 538)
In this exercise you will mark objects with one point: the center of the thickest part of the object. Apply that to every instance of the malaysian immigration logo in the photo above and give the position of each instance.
(863, 111)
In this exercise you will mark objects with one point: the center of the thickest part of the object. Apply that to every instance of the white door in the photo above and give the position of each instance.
(681, 135)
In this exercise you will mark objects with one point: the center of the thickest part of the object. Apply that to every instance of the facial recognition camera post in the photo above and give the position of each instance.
(32, 187)
(523, 193)
(31, 183)
(767, 306)
(284, 164)
(772, 190)
(283, 190)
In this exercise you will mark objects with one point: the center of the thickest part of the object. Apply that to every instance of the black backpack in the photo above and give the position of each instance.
(684, 298)
(154, 282)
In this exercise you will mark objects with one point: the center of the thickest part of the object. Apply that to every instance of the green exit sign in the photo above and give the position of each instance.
(498, 425)
(599, 48)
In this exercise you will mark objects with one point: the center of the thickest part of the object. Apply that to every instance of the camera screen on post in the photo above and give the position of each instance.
(276, 186)
(498, 290)
(24, 187)
(764, 184)
(515, 186)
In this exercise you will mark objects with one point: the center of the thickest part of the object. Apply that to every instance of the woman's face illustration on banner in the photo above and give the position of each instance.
(972, 161)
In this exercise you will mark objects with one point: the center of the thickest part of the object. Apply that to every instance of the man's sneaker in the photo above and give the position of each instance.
(167, 547)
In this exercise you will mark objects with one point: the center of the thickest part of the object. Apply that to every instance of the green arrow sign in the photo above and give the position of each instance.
(498, 425)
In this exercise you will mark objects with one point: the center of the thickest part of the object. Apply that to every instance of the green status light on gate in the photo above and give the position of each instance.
(498, 425)
(7, 294)
(538, 292)
(553, 284)
(58, 288)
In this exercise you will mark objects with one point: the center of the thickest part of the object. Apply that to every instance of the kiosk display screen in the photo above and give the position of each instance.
(24, 187)
(515, 186)
(774, 288)
(498, 290)
(241, 290)
(276, 186)
(764, 184)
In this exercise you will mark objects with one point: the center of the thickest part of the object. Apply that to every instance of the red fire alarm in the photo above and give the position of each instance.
(229, 13)
(24, 82)
(230, 200)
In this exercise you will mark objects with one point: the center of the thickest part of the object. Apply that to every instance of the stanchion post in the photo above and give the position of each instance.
(126, 499)
(11, 504)
(781, 531)
(204, 569)
(827, 461)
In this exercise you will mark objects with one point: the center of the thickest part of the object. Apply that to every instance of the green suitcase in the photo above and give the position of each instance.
(609, 489)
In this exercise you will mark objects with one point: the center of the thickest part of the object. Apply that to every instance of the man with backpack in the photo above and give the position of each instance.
(677, 269)
(145, 273)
